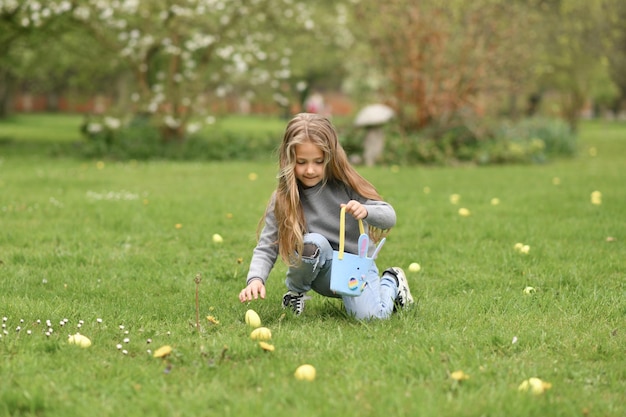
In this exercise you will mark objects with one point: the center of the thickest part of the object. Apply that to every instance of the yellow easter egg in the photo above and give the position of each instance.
(414, 267)
(80, 340)
(464, 212)
(163, 351)
(266, 346)
(261, 333)
(305, 373)
(253, 319)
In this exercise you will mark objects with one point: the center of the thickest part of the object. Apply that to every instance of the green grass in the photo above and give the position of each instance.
(82, 240)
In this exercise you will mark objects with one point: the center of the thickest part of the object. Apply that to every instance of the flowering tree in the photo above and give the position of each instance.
(181, 55)
(22, 24)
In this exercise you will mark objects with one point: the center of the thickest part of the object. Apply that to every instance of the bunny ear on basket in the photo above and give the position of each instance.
(349, 271)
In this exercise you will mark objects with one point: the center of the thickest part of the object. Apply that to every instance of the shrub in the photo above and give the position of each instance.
(557, 135)
(527, 141)
(141, 140)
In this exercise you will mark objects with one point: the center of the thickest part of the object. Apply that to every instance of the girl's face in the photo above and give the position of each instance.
(309, 168)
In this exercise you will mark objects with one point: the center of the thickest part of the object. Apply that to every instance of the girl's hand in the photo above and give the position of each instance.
(253, 291)
(358, 210)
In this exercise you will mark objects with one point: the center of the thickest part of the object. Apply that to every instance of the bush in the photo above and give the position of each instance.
(108, 138)
(486, 142)
(557, 135)
(527, 141)
(141, 140)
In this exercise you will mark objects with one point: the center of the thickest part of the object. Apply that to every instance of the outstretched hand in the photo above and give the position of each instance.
(356, 209)
(253, 291)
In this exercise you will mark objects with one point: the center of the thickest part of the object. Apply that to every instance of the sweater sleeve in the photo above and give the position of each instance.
(265, 253)
(380, 214)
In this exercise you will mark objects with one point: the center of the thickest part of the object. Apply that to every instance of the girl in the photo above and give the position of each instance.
(301, 223)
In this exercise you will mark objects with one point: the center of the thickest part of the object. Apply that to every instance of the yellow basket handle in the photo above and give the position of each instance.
(342, 231)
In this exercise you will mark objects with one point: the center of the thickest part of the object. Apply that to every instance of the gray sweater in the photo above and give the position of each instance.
(321, 205)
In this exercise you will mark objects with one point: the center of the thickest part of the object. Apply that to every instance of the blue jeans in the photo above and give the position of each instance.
(376, 300)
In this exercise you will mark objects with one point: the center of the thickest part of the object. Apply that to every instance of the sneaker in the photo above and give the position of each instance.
(404, 297)
(295, 300)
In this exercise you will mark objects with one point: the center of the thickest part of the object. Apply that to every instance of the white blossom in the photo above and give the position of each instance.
(94, 128)
(112, 123)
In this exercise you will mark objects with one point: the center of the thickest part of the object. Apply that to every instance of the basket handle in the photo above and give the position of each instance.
(342, 231)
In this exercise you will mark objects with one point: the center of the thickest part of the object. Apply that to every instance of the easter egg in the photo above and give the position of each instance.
(414, 267)
(253, 319)
(305, 373)
(80, 340)
(261, 333)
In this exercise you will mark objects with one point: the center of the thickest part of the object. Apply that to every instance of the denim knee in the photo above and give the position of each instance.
(317, 246)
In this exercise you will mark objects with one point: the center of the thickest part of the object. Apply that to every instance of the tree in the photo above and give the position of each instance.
(22, 24)
(181, 54)
(575, 47)
(617, 52)
(44, 53)
(442, 60)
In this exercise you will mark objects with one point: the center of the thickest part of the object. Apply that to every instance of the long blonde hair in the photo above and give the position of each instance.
(318, 130)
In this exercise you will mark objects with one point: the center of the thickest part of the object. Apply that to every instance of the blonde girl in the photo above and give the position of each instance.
(301, 224)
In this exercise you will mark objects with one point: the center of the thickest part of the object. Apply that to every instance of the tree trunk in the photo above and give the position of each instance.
(6, 91)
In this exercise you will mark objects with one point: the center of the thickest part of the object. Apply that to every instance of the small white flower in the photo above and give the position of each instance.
(4, 319)
(99, 320)
(28, 332)
(94, 128)
(118, 346)
(121, 327)
(112, 123)
(171, 122)
(125, 352)
(18, 328)
(193, 127)
(149, 341)
(126, 340)
(514, 341)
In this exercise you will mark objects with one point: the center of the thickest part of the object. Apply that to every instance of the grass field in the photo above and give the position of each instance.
(114, 248)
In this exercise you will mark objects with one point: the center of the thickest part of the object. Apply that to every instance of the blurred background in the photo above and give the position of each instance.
(482, 81)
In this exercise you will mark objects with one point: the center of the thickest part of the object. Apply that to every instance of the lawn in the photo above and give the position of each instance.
(112, 250)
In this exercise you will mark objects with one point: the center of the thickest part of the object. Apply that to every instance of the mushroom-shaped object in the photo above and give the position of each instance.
(373, 117)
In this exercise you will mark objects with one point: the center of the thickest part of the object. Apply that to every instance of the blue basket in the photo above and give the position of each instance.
(349, 271)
